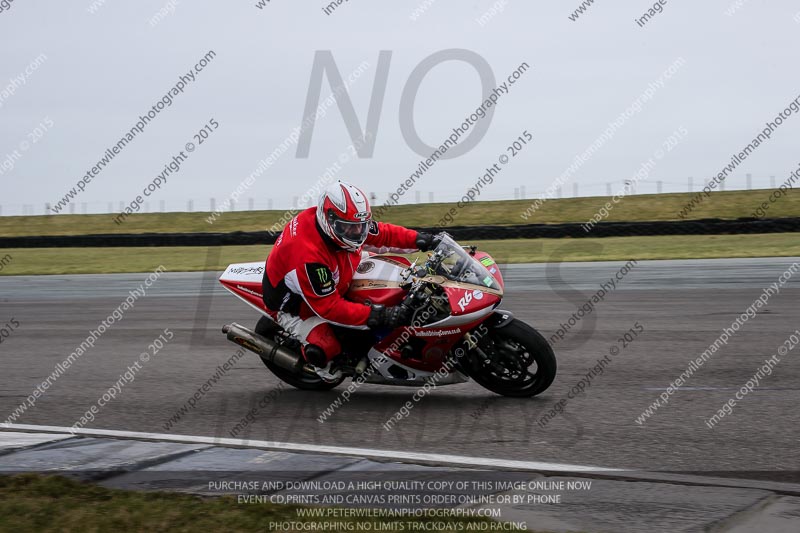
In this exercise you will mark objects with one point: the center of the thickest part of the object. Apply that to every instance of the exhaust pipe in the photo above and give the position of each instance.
(266, 348)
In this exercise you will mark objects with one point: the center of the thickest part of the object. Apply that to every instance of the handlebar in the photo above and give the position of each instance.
(414, 298)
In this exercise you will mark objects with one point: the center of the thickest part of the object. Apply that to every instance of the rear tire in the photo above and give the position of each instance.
(521, 362)
(303, 381)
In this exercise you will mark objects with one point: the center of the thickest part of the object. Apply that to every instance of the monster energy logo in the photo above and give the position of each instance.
(322, 274)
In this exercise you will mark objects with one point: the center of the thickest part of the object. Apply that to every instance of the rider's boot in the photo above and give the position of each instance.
(319, 365)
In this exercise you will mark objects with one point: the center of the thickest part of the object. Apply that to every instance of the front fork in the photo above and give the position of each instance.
(498, 320)
(468, 349)
(471, 340)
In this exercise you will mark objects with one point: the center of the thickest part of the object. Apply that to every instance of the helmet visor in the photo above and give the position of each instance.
(351, 232)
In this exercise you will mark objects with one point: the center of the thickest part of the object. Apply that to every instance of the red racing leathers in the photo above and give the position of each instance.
(307, 276)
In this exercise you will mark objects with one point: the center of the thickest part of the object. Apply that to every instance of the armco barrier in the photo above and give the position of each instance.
(462, 233)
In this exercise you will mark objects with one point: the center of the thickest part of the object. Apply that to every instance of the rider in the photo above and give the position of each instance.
(312, 263)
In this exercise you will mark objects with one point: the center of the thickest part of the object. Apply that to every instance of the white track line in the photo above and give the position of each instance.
(427, 458)
(439, 459)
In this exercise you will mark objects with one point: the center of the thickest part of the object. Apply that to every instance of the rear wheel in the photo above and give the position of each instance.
(513, 360)
(302, 380)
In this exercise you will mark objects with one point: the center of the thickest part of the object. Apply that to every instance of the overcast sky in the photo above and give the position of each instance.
(104, 69)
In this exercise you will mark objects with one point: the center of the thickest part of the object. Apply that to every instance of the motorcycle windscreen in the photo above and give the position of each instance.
(458, 265)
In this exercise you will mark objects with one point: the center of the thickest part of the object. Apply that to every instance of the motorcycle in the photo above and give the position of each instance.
(456, 331)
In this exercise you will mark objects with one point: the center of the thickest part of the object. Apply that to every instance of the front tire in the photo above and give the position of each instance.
(514, 360)
(303, 381)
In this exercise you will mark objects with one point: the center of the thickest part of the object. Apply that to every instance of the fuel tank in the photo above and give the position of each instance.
(378, 279)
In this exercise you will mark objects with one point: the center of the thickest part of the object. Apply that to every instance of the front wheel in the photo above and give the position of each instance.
(513, 360)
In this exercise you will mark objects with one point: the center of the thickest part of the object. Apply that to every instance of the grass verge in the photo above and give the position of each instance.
(726, 205)
(188, 258)
(34, 503)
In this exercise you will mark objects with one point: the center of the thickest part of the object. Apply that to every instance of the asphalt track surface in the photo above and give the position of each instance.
(682, 306)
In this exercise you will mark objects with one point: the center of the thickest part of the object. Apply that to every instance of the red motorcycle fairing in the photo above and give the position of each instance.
(464, 301)
(430, 345)
(379, 279)
(488, 261)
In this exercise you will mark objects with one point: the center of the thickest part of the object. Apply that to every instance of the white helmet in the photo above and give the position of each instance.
(344, 215)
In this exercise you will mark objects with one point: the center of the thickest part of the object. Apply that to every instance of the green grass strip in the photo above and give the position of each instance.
(43, 504)
(191, 258)
(726, 205)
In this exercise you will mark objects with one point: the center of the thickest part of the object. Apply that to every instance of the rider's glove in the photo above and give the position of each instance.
(426, 241)
(389, 317)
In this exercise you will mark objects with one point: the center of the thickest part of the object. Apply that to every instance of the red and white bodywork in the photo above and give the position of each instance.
(467, 298)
